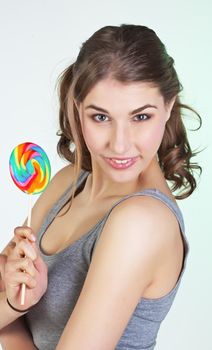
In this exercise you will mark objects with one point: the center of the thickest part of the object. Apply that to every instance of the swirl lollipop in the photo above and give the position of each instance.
(30, 170)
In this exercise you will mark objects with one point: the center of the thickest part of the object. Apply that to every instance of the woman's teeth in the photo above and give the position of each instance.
(119, 161)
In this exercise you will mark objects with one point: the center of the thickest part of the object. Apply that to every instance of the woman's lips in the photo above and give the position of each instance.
(121, 163)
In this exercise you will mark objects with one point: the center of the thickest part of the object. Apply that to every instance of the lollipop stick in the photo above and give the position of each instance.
(23, 292)
(29, 210)
(23, 286)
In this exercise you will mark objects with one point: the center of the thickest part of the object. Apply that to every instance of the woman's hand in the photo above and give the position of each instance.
(24, 265)
(3, 259)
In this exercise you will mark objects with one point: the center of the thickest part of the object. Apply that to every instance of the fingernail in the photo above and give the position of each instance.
(33, 238)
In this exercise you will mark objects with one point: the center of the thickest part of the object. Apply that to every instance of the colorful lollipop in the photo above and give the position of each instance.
(30, 170)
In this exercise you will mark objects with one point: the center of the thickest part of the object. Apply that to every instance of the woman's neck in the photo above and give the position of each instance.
(99, 187)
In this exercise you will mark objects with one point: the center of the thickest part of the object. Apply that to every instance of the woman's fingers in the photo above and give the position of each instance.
(23, 248)
(24, 264)
(15, 279)
(24, 232)
(3, 260)
(20, 233)
(20, 271)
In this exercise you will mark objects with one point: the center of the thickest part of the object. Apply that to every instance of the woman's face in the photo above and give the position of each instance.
(123, 126)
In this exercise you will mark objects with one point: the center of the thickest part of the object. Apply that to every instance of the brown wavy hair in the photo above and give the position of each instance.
(127, 53)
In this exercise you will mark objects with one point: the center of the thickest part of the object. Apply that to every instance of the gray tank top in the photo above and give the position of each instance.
(66, 275)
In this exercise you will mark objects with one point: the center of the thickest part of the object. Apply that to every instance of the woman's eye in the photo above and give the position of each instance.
(103, 118)
(99, 117)
(141, 117)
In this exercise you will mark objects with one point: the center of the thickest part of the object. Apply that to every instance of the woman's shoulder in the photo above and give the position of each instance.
(146, 212)
(65, 175)
(141, 228)
(57, 186)
(149, 200)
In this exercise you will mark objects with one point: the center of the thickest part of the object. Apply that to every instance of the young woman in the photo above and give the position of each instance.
(109, 233)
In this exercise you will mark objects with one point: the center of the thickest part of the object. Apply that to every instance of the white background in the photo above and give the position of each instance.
(38, 39)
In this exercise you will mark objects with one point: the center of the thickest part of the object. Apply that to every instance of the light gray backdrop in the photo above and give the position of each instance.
(38, 38)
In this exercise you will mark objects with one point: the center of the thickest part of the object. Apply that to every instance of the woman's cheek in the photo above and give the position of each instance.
(93, 138)
(153, 139)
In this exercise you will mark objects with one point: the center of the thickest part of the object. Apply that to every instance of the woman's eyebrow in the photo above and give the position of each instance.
(137, 110)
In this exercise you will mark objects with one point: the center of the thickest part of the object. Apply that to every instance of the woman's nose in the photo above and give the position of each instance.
(120, 141)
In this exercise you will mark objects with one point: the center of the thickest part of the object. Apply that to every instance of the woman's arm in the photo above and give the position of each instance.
(124, 263)
(16, 336)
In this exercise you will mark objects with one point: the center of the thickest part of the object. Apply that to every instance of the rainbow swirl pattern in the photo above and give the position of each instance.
(30, 168)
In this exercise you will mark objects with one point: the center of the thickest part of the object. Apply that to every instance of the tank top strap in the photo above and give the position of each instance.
(155, 193)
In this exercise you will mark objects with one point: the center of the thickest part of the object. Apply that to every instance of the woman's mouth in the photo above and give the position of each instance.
(121, 163)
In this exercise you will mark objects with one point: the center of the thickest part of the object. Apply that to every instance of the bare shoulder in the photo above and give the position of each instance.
(57, 186)
(147, 214)
(141, 224)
